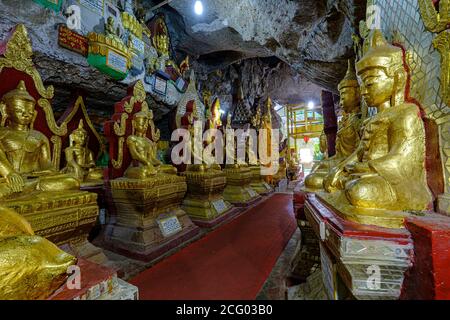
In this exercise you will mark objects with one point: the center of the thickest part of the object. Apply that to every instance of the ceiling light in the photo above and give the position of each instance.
(310, 105)
(198, 7)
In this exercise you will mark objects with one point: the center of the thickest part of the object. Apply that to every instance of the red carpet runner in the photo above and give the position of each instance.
(232, 262)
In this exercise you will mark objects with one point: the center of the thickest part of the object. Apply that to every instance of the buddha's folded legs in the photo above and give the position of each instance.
(371, 192)
(315, 180)
(95, 174)
(57, 183)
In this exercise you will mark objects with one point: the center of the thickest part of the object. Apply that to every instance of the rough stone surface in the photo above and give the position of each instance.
(311, 39)
(312, 36)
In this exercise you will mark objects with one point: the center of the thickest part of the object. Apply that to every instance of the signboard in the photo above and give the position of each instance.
(72, 41)
(220, 206)
(116, 61)
(160, 85)
(137, 44)
(180, 84)
(95, 6)
(252, 192)
(169, 226)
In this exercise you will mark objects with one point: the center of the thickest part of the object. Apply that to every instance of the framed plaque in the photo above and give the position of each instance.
(219, 205)
(116, 61)
(252, 192)
(137, 44)
(169, 226)
(72, 41)
(160, 85)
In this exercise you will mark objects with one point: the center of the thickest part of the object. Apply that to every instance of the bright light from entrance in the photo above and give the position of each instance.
(198, 8)
(311, 105)
(306, 155)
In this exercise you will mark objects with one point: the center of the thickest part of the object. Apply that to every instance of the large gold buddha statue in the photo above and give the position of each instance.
(348, 138)
(25, 162)
(143, 151)
(80, 160)
(30, 266)
(387, 171)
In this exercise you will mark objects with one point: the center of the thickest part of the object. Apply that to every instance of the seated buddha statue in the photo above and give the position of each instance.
(143, 151)
(347, 138)
(25, 163)
(387, 170)
(31, 267)
(80, 160)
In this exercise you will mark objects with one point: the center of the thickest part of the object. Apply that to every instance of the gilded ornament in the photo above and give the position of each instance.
(30, 267)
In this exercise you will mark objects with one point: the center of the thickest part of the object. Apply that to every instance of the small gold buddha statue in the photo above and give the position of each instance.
(387, 171)
(80, 160)
(25, 162)
(31, 267)
(347, 139)
(143, 151)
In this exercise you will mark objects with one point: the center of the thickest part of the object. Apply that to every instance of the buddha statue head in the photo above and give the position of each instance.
(382, 73)
(19, 106)
(140, 123)
(350, 97)
(79, 136)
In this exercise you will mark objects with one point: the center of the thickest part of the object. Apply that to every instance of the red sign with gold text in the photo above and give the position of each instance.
(73, 41)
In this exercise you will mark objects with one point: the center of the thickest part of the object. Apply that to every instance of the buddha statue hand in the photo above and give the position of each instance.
(15, 182)
(333, 180)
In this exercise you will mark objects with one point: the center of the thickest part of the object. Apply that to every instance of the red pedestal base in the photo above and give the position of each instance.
(429, 278)
(96, 283)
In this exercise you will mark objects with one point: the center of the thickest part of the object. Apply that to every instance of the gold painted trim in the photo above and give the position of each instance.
(79, 104)
(18, 55)
(117, 164)
(435, 21)
(442, 44)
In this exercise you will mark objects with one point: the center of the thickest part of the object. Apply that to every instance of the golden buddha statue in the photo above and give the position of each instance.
(30, 266)
(323, 144)
(80, 160)
(143, 151)
(348, 138)
(25, 162)
(387, 171)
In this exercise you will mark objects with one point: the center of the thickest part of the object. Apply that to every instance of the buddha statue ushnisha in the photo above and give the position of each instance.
(80, 160)
(143, 151)
(387, 171)
(348, 138)
(25, 162)
(31, 267)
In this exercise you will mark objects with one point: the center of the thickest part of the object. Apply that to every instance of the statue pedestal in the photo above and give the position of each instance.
(97, 283)
(257, 182)
(363, 261)
(238, 190)
(146, 219)
(64, 218)
(204, 201)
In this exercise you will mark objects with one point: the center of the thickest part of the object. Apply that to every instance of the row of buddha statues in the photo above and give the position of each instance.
(150, 206)
(378, 174)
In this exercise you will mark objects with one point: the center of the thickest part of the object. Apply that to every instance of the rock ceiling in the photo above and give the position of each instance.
(310, 41)
(313, 37)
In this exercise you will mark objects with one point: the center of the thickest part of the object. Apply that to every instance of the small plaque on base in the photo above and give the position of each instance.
(169, 226)
(252, 192)
(220, 206)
